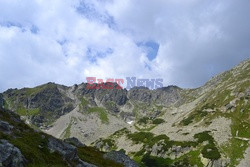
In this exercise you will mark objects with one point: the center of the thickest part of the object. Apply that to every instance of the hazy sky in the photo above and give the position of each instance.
(185, 42)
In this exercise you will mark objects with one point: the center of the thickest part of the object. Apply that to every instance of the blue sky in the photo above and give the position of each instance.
(185, 42)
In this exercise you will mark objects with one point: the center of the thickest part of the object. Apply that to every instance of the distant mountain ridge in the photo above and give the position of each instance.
(175, 119)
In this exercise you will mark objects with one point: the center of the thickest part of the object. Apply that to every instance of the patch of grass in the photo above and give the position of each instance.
(140, 153)
(142, 137)
(143, 120)
(33, 146)
(137, 159)
(193, 158)
(21, 111)
(5, 104)
(149, 161)
(188, 120)
(196, 115)
(27, 112)
(33, 111)
(35, 150)
(144, 129)
(101, 112)
(158, 121)
(120, 132)
(30, 91)
(235, 150)
(159, 107)
(84, 102)
(67, 132)
(210, 150)
(158, 138)
(93, 156)
(203, 136)
(109, 142)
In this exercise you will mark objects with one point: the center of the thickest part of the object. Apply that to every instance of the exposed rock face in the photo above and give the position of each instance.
(67, 151)
(74, 141)
(1, 100)
(140, 94)
(120, 157)
(218, 163)
(5, 127)
(166, 95)
(10, 155)
(47, 99)
(119, 96)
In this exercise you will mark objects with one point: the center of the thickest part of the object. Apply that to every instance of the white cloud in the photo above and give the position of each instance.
(42, 41)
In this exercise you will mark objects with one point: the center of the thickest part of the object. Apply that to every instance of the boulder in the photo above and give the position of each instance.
(74, 141)
(10, 155)
(5, 127)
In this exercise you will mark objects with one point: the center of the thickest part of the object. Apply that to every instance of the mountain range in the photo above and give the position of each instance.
(170, 126)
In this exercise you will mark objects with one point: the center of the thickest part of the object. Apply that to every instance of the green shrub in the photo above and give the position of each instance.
(143, 120)
(210, 151)
(188, 120)
(143, 137)
(151, 161)
(203, 136)
(158, 121)
(93, 156)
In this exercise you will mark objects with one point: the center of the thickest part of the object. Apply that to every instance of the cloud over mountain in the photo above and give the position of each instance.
(183, 42)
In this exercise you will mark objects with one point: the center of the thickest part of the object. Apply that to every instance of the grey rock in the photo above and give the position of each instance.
(1, 100)
(120, 157)
(247, 92)
(157, 150)
(50, 101)
(118, 96)
(10, 155)
(230, 106)
(67, 151)
(5, 127)
(74, 141)
(218, 163)
(140, 94)
(84, 164)
(166, 95)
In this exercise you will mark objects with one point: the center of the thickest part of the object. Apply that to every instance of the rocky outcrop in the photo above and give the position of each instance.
(10, 155)
(47, 99)
(74, 141)
(5, 127)
(1, 100)
(140, 94)
(120, 157)
(166, 95)
(217, 163)
(67, 151)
